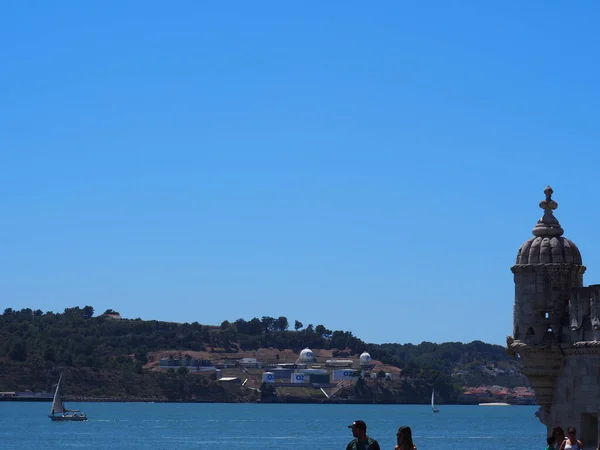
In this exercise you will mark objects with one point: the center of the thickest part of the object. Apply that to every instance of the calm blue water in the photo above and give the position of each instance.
(26, 426)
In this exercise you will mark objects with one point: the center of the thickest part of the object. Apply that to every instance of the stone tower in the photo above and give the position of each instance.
(556, 326)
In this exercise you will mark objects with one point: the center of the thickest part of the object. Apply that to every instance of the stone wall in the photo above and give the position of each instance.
(542, 293)
(576, 399)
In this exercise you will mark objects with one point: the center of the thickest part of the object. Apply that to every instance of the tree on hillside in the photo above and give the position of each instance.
(241, 326)
(17, 351)
(73, 312)
(87, 312)
(297, 325)
(255, 327)
(281, 323)
(268, 323)
(322, 331)
(141, 354)
(339, 340)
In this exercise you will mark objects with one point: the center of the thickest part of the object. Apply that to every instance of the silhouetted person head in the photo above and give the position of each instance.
(359, 429)
(558, 434)
(404, 437)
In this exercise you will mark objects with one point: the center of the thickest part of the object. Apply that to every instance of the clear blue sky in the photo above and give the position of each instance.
(368, 167)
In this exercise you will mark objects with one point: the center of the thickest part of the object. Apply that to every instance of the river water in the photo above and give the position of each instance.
(25, 426)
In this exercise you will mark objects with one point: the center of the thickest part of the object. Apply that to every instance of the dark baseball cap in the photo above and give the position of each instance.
(358, 424)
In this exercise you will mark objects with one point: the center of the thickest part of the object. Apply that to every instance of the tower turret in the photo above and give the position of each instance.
(547, 270)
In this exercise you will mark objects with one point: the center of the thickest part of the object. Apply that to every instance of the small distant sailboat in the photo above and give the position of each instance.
(59, 412)
(433, 408)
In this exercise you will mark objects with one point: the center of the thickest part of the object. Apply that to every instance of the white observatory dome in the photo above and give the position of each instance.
(365, 359)
(306, 356)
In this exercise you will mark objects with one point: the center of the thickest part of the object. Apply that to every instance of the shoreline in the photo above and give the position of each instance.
(288, 401)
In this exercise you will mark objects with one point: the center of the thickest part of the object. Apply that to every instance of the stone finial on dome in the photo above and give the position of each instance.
(548, 225)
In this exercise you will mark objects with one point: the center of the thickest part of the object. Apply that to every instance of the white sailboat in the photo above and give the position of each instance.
(433, 408)
(59, 412)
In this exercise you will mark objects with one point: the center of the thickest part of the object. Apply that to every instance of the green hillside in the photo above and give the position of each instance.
(107, 358)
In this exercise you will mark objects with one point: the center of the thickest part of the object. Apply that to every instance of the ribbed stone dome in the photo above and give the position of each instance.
(548, 246)
(546, 250)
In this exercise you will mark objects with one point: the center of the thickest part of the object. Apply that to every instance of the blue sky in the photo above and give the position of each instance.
(371, 168)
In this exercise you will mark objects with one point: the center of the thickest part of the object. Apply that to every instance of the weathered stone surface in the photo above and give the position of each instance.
(539, 250)
(557, 328)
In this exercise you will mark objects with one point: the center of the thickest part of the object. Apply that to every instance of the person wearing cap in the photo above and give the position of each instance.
(361, 441)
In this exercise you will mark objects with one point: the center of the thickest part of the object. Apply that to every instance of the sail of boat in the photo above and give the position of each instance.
(57, 404)
(433, 408)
